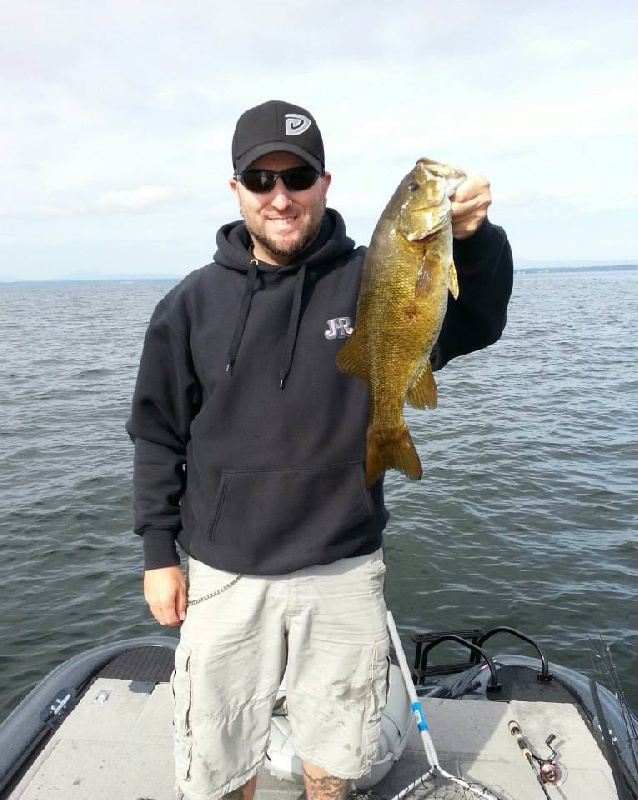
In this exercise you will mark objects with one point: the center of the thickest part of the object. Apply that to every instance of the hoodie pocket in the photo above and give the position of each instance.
(263, 519)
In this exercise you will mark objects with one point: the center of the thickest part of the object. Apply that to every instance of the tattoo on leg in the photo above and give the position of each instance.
(327, 788)
(238, 794)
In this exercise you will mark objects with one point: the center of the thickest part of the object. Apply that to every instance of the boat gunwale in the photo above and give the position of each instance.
(24, 733)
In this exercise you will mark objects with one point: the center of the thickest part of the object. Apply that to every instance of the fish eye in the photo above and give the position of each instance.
(413, 186)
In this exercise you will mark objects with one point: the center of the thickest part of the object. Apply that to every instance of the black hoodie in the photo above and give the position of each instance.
(249, 442)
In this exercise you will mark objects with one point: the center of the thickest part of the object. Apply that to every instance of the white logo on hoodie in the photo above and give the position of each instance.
(296, 124)
(339, 328)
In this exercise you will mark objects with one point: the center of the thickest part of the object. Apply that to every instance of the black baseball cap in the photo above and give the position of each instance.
(277, 125)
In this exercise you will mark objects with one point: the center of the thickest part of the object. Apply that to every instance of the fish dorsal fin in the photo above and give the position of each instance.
(423, 392)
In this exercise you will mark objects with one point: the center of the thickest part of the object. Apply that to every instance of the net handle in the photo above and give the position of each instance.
(428, 744)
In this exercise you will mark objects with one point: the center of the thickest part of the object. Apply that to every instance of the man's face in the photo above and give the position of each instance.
(281, 222)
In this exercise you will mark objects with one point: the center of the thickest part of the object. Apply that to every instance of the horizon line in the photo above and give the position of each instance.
(525, 266)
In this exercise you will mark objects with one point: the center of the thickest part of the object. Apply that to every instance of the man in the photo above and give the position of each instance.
(250, 451)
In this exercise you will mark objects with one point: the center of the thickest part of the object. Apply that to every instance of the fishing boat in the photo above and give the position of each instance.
(509, 726)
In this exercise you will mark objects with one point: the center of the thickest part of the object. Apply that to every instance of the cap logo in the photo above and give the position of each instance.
(296, 124)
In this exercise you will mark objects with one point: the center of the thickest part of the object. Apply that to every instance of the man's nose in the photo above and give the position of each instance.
(281, 197)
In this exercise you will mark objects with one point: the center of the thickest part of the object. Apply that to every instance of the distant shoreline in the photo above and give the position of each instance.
(522, 270)
(595, 268)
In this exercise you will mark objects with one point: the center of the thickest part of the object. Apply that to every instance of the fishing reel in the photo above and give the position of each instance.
(547, 770)
(550, 771)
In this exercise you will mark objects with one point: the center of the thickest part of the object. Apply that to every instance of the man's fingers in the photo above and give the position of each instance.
(474, 185)
(165, 593)
(167, 614)
(469, 206)
(181, 604)
(164, 613)
(466, 208)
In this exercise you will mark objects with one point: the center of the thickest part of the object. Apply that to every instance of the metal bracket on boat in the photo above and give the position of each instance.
(493, 685)
(422, 639)
(544, 675)
(57, 709)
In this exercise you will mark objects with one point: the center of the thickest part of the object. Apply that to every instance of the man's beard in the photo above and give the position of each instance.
(286, 251)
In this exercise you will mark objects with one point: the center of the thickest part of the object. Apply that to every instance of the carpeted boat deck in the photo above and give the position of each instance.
(116, 744)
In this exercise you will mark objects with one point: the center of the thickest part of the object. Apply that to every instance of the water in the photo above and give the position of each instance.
(526, 515)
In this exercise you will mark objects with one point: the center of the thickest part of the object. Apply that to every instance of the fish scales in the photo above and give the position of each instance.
(407, 274)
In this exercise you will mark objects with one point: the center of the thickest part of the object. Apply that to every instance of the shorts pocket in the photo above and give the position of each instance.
(377, 698)
(181, 685)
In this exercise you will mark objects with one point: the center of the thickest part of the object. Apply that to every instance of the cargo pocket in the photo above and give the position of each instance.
(377, 698)
(181, 686)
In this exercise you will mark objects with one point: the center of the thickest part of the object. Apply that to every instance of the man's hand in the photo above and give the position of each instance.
(165, 593)
(470, 202)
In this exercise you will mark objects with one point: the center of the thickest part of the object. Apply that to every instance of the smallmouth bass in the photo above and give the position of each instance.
(407, 273)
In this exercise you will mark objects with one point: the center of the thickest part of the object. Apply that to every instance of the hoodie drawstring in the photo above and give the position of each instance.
(293, 325)
(293, 322)
(244, 309)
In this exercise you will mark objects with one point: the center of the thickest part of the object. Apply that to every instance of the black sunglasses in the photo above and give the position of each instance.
(296, 179)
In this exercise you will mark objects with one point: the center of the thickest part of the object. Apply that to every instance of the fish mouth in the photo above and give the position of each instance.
(428, 230)
(420, 237)
(415, 239)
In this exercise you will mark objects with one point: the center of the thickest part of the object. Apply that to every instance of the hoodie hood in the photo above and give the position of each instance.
(234, 246)
(234, 252)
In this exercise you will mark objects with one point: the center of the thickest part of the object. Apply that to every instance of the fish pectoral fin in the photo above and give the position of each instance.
(424, 277)
(423, 392)
(351, 359)
(391, 449)
(453, 281)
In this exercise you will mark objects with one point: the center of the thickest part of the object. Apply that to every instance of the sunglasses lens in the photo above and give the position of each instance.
(296, 179)
(258, 180)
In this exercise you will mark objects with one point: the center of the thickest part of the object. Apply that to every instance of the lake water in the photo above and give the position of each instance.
(527, 514)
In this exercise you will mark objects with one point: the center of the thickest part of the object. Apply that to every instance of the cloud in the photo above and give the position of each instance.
(140, 199)
(127, 108)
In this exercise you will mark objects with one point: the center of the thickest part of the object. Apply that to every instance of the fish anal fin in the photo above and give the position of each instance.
(391, 449)
(351, 359)
(423, 392)
(453, 281)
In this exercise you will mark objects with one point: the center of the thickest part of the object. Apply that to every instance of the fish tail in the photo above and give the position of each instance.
(391, 449)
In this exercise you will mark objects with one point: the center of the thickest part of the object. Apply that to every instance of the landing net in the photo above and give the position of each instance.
(437, 786)
(436, 782)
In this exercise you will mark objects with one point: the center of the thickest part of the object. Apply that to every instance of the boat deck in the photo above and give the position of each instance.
(117, 745)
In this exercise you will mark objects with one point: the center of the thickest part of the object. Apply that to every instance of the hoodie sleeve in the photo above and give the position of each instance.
(165, 401)
(478, 316)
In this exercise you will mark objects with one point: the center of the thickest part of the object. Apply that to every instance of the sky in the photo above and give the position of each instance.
(116, 120)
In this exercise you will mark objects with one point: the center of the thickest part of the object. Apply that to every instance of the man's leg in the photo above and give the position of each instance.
(337, 672)
(245, 792)
(321, 786)
(228, 666)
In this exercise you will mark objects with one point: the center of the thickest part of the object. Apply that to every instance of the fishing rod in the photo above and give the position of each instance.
(542, 775)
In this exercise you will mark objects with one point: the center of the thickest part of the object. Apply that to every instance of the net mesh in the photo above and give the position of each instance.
(437, 786)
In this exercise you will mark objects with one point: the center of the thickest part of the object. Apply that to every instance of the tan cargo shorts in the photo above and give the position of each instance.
(325, 626)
